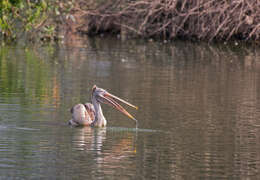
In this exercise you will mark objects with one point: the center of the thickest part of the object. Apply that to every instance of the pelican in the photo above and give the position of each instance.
(91, 114)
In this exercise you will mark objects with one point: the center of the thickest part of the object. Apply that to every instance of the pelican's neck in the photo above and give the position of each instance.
(100, 120)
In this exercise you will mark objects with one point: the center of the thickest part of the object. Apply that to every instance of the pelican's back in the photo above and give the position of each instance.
(80, 115)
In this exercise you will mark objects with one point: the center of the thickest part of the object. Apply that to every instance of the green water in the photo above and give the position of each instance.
(198, 116)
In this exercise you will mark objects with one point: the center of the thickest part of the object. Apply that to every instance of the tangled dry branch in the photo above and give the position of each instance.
(200, 19)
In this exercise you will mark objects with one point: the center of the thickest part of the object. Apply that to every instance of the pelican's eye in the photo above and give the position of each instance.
(94, 89)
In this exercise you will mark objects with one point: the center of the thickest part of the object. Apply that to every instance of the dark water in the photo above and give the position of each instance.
(199, 111)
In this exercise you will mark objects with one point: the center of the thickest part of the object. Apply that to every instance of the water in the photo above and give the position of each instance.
(198, 116)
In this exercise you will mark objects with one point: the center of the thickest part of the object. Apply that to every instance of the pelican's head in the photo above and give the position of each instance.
(102, 96)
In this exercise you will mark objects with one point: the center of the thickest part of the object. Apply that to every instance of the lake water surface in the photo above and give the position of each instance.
(199, 111)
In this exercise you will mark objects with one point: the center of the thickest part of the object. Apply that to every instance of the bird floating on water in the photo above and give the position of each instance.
(91, 114)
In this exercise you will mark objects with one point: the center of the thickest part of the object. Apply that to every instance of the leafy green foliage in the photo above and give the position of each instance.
(23, 16)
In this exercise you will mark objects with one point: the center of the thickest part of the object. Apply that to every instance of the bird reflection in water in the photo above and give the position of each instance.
(89, 139)
(108, 148)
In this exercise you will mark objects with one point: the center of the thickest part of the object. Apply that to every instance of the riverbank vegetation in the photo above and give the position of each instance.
(207, 20)
(168, 19)
(31, 19)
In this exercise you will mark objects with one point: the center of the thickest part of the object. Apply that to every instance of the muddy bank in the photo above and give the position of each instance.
(199, 19)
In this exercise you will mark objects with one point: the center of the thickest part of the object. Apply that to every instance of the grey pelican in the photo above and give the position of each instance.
(91, 114)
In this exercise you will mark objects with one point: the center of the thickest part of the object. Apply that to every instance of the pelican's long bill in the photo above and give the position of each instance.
(111, 100)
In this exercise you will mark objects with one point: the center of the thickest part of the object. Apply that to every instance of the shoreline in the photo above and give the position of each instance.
(199, 20)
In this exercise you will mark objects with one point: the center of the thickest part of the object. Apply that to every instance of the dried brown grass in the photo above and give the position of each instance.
(168, 19)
